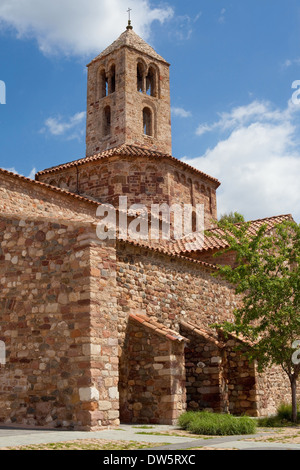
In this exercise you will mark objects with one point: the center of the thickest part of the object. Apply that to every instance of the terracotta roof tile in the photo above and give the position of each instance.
(210, 334)
(125, 151)
(157, 327)
(130, 39)
(211, 241)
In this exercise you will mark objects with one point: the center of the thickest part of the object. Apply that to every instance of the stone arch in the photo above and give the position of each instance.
(72, 184)
(62, 184)
(93, 176)
(176, 177)
(148, 122)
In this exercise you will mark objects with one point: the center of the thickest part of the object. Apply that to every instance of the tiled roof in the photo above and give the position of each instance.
(126, 151)
(156, 327)
(211, 241)
(130, 39)
(210, 335)
(165, 248)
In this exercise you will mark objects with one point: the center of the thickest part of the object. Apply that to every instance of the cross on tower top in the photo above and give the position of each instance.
(129, 18)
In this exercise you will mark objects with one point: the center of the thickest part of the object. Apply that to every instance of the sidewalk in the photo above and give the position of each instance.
(14, 437)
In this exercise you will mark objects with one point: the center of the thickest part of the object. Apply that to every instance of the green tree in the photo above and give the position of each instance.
(267, 276)
(232, 217)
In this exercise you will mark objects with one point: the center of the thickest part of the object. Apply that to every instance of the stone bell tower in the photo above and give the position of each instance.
(128, 99)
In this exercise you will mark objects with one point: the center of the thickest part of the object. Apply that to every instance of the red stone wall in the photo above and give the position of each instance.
(205, 385)
(152, 377)
(170, 289)
(142, 180)
(127, 104)
(62, 355)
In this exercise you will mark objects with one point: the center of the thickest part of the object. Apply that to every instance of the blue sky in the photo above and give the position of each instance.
(233, 63)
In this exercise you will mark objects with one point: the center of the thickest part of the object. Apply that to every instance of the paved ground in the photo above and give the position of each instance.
(13, 437)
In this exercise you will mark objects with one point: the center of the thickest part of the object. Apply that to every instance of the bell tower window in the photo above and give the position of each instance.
(103, 84)
(112, 76)
(106, 121)
(151, 82)
(148, 122)
(140, 77)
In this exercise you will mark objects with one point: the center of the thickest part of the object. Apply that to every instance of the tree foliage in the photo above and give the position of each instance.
(267, 275)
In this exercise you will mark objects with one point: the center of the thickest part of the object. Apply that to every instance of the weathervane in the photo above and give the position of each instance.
(129, 18)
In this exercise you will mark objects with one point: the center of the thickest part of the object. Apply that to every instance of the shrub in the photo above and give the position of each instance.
(282, 418)
(216, 424)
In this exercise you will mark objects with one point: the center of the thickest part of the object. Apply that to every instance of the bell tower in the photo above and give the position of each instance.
(128, 98)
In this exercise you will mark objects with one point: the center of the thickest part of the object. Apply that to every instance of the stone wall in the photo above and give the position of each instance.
(142, 180)
(56, 303)
(273, 388)
(170, 289)
(152, 375)
(240, 376)
(44, 307)
(205, 384)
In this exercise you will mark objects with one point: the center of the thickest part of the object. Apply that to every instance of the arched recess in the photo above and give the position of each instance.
(134, 179)
(148, 122)
(151, 180)
(106, 121)
(62, 183)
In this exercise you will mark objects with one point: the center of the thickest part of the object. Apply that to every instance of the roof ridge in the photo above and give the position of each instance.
(129, 38)
(129, 150)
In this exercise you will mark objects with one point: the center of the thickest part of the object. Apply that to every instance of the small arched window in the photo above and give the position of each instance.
(151, 85)
(103, 84)
(147, 121)
(112, 79)
(106, 121)
(140, 77)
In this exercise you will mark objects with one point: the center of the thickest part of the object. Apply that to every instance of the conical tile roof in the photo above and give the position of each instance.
(130, 39)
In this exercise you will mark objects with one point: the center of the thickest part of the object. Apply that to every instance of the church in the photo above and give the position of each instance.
(99, 332)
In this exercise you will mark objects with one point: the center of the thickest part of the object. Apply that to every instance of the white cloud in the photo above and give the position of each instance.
(31, 174)
(258, 164)
(183, 26)
(222, 16)
(72, 128)
(12, 170)
(80, 27)
(180, 112)
(257, 111)
(289, 62)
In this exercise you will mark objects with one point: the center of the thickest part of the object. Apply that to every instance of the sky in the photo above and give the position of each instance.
(235, 88)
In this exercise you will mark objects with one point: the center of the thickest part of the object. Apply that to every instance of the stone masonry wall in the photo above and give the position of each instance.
(241, 381)
(273, 388)
(143, 180)
(44, 311)
(152, 377)
(56, 302)
(205, 385)
(169, 289)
